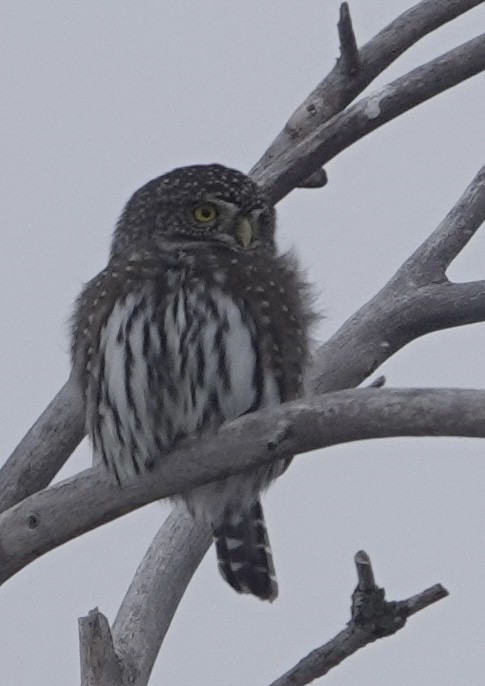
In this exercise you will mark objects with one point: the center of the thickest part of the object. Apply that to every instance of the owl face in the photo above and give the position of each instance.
(202, 203)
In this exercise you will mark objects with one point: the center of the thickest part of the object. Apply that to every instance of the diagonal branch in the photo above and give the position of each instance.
(155, 592)
(431, 260)
(45, 447)
(417, 300)
(337, 90)
(372, 618)
(302, 159)
(126, 653)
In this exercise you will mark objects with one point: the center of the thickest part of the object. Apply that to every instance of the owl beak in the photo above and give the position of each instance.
(244, 232)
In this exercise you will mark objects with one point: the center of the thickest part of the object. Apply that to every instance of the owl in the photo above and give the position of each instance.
(197, 319)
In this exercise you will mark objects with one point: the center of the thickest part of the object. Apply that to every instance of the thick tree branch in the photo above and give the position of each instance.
(51, 517)
(337, 90)
(303, 158)
(372, 618)
(99, 662)
(155, 592)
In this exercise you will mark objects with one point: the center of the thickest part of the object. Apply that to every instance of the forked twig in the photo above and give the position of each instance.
(373, 617)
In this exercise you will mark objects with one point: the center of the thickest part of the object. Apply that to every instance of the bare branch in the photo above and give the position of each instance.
(299, 161)
(420, 601)
(372, 618)
(45, 447)
(99, 663)
(431, 260)
(336, 91)
(417, 300)
(51, 517)
(348, 45)
(365, 574)
(155, 592)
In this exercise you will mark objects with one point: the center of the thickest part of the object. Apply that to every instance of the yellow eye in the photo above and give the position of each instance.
(205, 213)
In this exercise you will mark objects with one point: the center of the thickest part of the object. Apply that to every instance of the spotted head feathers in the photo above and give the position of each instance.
(197, 203)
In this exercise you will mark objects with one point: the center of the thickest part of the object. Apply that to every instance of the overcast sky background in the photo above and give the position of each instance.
(98, 98)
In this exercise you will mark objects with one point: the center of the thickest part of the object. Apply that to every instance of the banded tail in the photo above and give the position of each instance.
(244, 554)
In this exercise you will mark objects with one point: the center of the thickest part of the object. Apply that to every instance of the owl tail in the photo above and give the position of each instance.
(244, 554)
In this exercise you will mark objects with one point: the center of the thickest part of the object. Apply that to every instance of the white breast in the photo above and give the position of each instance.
(162, 373)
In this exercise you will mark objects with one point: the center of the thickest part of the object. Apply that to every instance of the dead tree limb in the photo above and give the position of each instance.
(99, 662)
(45, 447)
(373, 617)
(307, 156)
(413, 302)
(337, 90)
(154, 594)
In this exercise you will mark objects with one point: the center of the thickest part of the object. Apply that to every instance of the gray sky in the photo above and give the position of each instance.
(99, 97)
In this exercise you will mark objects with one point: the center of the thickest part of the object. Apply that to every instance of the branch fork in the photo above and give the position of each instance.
(373, 617)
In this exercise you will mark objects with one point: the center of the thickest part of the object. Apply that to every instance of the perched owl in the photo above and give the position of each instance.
(195, 320)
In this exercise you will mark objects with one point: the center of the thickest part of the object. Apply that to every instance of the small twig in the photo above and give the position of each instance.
(350, 58)
(318, 179)
(280, 433)
(422, 600)
(380, 382)
(99, 662)
(365, 574)
(372, 618)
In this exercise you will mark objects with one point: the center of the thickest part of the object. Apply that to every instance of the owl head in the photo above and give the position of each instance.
(201, 203)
